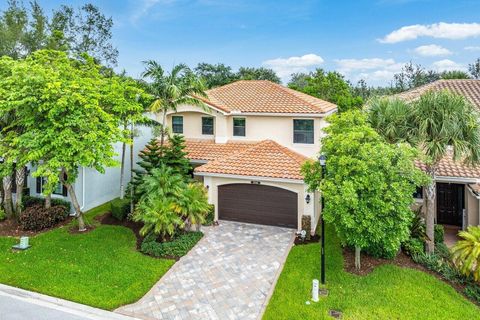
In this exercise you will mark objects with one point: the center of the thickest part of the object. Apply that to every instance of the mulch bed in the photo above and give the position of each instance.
(108, 219)
(11, 228)
(313, 239)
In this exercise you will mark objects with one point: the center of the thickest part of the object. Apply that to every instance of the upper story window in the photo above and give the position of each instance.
(177, 124)
(239, 127)
(207, 125)
(303, 131)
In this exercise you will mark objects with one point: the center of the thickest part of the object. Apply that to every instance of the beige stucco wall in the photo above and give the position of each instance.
(212, 184)
(276, 128)
(472, 207)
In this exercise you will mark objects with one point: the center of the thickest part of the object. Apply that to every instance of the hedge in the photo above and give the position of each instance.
(120, 208)
(177, 247)
(29, 201)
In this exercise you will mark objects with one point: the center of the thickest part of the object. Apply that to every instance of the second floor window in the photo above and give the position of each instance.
(177, 124)
(207, 125)
(239, 127)
(303, 131)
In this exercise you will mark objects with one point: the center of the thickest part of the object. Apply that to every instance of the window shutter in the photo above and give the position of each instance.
(64, 190)
(39, 185)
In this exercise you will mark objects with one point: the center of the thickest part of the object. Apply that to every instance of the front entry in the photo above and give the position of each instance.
(258, 204)
(450, 203)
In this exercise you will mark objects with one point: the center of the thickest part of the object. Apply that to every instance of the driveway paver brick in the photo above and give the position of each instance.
(229, 274)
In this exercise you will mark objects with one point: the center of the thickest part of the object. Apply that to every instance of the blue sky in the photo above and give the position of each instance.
(361, 39)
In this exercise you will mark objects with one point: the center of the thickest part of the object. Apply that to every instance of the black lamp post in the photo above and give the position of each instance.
(323, 163)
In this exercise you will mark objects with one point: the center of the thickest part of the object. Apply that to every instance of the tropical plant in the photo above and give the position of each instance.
(193, 205)
(466, 252)
(368, 185)
(158, 216)
(172, 89)
(437, 123)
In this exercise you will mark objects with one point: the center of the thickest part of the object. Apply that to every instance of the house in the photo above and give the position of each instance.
(458, 185)
(92, 188)
(248, 145)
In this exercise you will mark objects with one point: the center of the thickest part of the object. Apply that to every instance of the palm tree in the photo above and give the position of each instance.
(193, 205)
(172, 89)
(466, 252)
(436, 123)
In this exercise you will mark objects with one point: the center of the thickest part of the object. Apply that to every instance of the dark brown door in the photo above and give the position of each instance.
(259, 204)
(450, 203)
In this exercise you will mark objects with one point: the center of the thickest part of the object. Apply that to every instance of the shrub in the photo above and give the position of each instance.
(439, 233)
(466, 253)
(413, 246)
(473, 292)
(3, 216)
(29, 201)
(417, 229)
(177, 247)
(307, 225)
(210, 217)
(37, 217)
(120, 208)
(437, 263)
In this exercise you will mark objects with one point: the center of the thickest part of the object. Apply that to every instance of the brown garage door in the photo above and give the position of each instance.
(260, 204)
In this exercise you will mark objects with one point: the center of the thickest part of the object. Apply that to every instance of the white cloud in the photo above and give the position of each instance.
(447, 65)
(472, 48)
(347, 65)
(432, 50)
(442, 30)
(284, 67)
(145, 5)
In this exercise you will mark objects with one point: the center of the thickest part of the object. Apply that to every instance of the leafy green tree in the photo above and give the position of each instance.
(215, 75)
(193, 205)
(454, 74)
(466, 252)
(368, 186)
(172, 89)
(250, 73)
(433, 124)
(66, 125)
(412, 76)
(474, 69)
(85, 30)
(329, 86)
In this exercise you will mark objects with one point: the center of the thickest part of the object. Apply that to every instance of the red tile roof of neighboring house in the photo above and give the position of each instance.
(262, 159)
(468, 88)
(208, 150)
(262, 96)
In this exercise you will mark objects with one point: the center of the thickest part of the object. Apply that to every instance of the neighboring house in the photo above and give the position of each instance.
(248, 147)
(458, 185)
(93, 188)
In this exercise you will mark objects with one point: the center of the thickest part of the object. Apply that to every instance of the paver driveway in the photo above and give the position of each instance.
(228, 275)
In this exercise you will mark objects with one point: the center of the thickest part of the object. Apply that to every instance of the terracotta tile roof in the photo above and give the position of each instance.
(262, 96)
(470, 89)
(208, 150)
(455, 169)
(263, 159)
(475, 188)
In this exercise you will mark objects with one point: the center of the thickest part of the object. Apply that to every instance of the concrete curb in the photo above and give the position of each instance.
(60, 304)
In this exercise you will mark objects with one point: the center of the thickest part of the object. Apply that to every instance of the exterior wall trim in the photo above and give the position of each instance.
(456, 179)
(252, 178)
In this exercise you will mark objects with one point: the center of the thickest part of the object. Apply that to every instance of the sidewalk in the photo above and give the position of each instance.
(19, 304)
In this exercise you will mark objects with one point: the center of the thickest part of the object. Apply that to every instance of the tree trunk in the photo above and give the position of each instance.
(132, 128)
(48, 201)
(73, 198)
(122, 168)
(430, 216)
(7, 198)
(20, 180)
(358, 265)
(197, 226)
(162, 133)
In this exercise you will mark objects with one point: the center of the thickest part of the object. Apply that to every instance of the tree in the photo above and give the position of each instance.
(474, 69)
(248, 73)
(466, 252)
(172, 89)
(85, 30)
(329, 86)
(454, 74)
(412, 76)
(193, 205)
(368, 186)
(215, 75)
(436, 122)
(66, 125)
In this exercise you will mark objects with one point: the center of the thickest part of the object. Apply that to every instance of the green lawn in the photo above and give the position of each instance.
(100, 268)
(389, 292)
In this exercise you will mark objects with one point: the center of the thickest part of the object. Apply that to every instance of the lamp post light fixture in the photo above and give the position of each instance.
(322, 159)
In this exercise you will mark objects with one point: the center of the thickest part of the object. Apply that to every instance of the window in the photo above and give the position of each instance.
(418, 194)
(59, 188)
(207, 125)
(239, 127)
(177, 124)
(303, 131)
